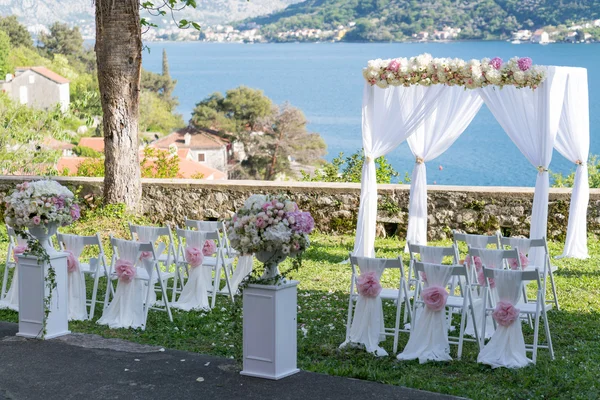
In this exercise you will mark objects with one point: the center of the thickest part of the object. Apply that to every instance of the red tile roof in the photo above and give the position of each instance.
(198, 140)
(45, 72)
(96, 143)
(70, 163)
(57, 144)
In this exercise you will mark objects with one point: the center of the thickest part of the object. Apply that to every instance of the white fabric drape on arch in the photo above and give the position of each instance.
(389, 116)
(531, 118)
(455, 110)
(573, 142)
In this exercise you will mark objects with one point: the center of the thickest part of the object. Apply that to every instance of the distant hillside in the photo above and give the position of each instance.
(399, 19)
(81, 12)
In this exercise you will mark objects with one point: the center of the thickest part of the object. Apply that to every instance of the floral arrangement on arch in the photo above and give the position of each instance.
(270, 223)
(426, 71)
(39, 203)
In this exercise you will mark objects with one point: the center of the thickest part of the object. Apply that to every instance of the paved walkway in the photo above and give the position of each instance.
(88, 367)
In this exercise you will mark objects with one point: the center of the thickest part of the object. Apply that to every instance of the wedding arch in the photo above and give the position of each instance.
(430, 102)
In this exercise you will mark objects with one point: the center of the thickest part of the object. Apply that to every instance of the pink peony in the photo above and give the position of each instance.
(524, 262)
(72, 262)
(20, 249)
(303, 222)
(368, 285)
(496, 62)
(505, 313)
(435, 297)
(209, 248)
(393, 66)
(193, 256)
(524, 63)
(261, 222)
(145, 255)
(125, 270)
(36, 220)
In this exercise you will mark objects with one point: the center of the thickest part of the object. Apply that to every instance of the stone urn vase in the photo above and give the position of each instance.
(43, 233)
(271, 261)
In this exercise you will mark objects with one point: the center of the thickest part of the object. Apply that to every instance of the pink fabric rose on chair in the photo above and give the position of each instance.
(524, 262)
(17, 250)
(209, 248)
(505, 313)
(193, 256)
(72, 261)
(125, 270)
(145, 255)
(481, 279)
(435, 297)
(423, 276)
(477, 260)
(368, 285)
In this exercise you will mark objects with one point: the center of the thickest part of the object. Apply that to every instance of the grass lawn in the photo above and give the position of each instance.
(322, 309)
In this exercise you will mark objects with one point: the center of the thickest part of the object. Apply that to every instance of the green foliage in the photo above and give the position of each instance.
(19, 35)
(83, 151)
(62, 40)
(384, 20)
(349, 169)
(22, 130)
(91, 167)
(159, 164)
(4, 54)
(593, 166)
(156, 115)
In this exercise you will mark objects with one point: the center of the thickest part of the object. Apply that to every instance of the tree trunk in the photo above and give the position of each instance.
(119, 58)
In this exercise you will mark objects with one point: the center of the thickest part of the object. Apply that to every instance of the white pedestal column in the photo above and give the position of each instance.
(270, 329)
(32, 290)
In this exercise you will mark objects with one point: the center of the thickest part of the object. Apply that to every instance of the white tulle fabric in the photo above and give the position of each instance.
(76, 280)
(149, 234)
(531, 119)
(389, 116)
(573, 142)
(506, 348)
(429, 338)
(194, 295)
(522, 244)
(11, 300)
(432, 254)
(490, 258)
(477, 241)
(126, 310)
(455, 110)
(367, 324)
(242, 270)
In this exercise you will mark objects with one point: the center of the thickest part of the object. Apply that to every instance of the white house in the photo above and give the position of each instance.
(540, 36)
(38, 87)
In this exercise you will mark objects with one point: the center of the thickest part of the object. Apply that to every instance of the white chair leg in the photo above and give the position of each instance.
(548, 336)
(94, 294)
(165, 299)
(554, 289)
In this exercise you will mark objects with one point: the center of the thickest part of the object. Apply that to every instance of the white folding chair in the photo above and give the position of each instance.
(168, 259)
(474, 241)
(96, 267)
(433, 255)
(223, 259)
(149, 267)
(401, 295)
(216, 262)
(462, 302)
(10, 264)
(547, 269)
(533, 309)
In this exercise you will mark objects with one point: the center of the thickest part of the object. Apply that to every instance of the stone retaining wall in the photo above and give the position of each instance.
(335, 205)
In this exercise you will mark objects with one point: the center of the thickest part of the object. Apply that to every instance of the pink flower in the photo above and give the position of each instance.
(193, 256)
(524, 63)
(393, 66)
(209, 248)
(496, 62)
(435, 297)
(125, 270)
(145, 255)
(260, 222)
(368, 284)
(505, 313)
(301, 222)
(481, 279)
(72, 262)
(524, 262)
(75, 212)
(20, 249)
(478, 264)
(36, 220)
